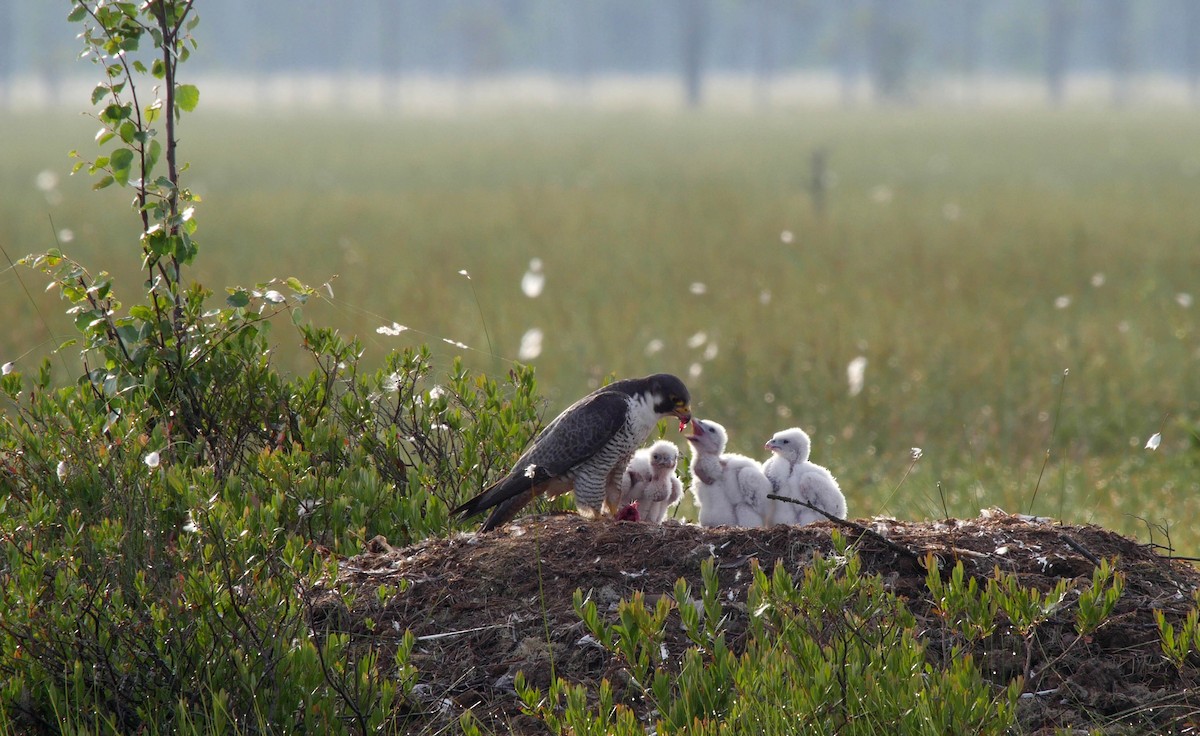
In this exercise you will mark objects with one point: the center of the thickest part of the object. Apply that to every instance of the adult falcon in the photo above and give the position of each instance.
(586, 448)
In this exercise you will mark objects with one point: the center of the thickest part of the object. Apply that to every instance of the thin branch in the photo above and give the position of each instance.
(1070, 542)
(862, 530)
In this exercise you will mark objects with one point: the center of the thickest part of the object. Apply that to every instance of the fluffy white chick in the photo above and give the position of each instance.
(792, 475)
(650, 480)
(730, 489)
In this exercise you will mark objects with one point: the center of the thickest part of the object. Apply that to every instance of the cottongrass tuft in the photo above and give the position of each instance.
(152, 460)
(1183, 299)
(699, 288)
(654, 346)
(395, 329)
(1154, 441)
(47, 180)
(531, 344)
(697, 339)
(534, 280)
(856, 374)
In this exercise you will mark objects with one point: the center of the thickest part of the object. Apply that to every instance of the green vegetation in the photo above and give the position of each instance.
(169, 491)
(949, 288)
(830, 653)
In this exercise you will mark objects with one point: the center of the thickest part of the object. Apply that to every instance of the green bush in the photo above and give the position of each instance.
(163, 516)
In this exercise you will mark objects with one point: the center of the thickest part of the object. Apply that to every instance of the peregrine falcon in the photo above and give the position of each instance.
(586, 448)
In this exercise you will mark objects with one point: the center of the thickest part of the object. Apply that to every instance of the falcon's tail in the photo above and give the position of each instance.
(505, 498)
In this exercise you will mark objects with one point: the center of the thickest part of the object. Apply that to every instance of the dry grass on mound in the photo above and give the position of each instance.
(483, 607)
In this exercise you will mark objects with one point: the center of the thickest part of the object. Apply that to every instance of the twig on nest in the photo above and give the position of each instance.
(862, 530)
(1079, 548)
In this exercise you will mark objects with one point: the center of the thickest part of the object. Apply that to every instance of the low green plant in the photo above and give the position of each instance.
(831, 652)
(1178, 644)
(965, 607)
(1097, 601)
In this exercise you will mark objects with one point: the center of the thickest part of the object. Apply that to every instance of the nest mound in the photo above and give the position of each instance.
(485, 606)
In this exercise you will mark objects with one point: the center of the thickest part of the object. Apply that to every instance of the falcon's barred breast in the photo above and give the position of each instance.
(586, 449)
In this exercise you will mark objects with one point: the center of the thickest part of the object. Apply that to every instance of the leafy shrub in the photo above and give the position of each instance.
(163, 515)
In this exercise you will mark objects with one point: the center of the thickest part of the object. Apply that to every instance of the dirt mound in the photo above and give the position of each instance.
(485, 606)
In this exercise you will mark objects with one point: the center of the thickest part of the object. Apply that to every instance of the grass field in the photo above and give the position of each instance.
(972, 258)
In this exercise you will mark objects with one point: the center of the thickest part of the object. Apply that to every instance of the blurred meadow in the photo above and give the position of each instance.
(1020, 282)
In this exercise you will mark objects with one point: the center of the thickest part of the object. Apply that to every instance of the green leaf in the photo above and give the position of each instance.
(142, 312)
(237, 299)
(106, 181)
(121, 161)
(114, 112)
(127, 131)
(153, 111)
(99, 93)
(152, 154)
(294, 284)
(158, 69)
(186, 97)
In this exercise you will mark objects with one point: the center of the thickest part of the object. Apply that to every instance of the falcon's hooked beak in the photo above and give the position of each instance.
(685, 415)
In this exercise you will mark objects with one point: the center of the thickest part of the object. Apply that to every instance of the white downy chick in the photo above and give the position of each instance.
(730, 489)
(650, 480)
(792, 475)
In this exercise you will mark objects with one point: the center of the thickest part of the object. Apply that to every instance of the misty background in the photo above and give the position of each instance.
(417, 54)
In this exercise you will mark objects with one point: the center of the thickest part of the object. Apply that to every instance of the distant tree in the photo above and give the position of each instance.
(583, 31)
(1191, 46)
(1118, 44)
(766, 14)
(694, 26)
(6, 44)
(481, 28)
(846, 46)
(391, 26)
(970, 14)
(891, 42)
(1061, 16)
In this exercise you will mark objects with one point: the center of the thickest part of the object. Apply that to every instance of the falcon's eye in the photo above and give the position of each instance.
(680, 402)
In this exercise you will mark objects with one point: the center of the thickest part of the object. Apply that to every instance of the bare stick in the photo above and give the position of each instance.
(1079, 548)
(862, 530)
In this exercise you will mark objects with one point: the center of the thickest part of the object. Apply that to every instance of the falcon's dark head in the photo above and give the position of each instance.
(670, 397)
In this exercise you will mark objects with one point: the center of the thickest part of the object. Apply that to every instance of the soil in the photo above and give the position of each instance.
(484, 606)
